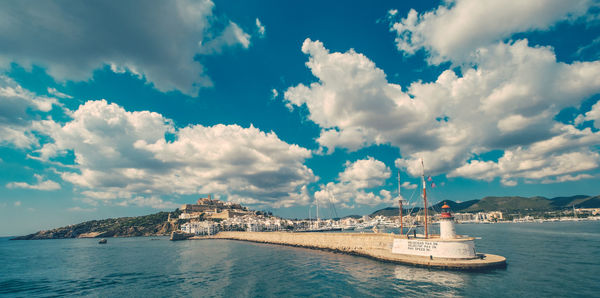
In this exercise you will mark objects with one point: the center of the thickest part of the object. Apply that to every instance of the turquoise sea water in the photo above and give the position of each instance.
(544, 260)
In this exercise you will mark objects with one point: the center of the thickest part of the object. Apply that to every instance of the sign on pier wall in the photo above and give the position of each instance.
(464, 249)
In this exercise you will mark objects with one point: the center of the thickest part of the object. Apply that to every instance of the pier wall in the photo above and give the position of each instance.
(346, 242)
(376, 246)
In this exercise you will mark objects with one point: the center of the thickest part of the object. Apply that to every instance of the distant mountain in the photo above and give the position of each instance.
(579, 201)
(507, 204)
(515, 204)
(147, 225)
(454, 206)
(566, 201)
(388, 211)
(510, 204)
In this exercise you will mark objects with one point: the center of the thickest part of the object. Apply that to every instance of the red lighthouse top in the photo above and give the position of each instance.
(446, 211)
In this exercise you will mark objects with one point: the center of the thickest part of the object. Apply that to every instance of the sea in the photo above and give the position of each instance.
(551, 259)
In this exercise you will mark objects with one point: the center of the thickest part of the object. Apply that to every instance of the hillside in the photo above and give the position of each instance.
(511, 204)
(522, 204)
(507, 204)
(147, 225)
(455, 206)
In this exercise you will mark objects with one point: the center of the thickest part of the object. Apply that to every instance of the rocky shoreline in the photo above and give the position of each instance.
(157, 224)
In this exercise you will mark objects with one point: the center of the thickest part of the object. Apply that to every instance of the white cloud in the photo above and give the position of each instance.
(455, 29)
(80, 209)
(568, 152)
(408, 185)
(57, 93)
(231, 36)
(274, 93)
(506, 101)
(16, 104)
(125, 158)
(154, 202)
(594, 115)
(567, 178)
(155, 39)
(353, 184)
(17, 204)
(260, 27)
(40, 185)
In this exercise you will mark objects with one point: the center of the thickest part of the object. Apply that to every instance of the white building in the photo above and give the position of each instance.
(200, 227)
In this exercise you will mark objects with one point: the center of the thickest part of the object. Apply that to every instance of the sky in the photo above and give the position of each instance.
(125, 108)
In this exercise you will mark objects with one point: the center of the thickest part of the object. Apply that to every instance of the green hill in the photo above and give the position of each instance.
(454, 206)
(147, 225)
(510, 204)
(507, 204)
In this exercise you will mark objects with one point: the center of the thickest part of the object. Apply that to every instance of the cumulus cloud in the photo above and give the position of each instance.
(140, 158)
(506, 101)
(260, 28)
(231, 36)
(354, 184)
(80, 209)
(16, 106)
(452, 31)
(408, 185)
(567, 178)
(568, 152)
(155, 39)
(592, 115)
(152, 201)
(40, 185)
(59, 94)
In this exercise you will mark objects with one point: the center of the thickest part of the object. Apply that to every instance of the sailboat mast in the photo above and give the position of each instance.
(317, 202)
(400, 202)
(424, 198)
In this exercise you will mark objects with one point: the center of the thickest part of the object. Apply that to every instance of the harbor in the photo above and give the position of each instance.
(447, 250)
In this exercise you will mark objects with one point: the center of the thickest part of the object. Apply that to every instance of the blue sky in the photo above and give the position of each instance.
(123, 108)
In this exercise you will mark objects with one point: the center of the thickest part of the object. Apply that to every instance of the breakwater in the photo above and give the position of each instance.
(376, 246)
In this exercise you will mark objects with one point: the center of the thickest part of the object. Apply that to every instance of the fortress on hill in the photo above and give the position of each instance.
(209, 208)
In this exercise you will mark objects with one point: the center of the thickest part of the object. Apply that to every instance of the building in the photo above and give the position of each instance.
(211, 209)
(200, 227)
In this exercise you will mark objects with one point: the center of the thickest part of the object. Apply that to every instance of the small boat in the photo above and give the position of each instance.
(102, 241)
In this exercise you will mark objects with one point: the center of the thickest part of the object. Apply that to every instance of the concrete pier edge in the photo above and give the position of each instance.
(375, 247)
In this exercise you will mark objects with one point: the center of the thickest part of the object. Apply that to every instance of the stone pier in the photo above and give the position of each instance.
(372, 245)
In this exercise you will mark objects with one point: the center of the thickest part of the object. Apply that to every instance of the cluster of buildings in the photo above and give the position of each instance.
(207, 208)
(493, 216)
(209, 216)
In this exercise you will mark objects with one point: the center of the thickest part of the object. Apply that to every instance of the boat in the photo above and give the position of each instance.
(102, 241)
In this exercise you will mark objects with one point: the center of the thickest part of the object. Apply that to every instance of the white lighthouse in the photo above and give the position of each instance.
(447, 230)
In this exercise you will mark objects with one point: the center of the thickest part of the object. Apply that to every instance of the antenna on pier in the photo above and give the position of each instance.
(424, 197)
(400, 203)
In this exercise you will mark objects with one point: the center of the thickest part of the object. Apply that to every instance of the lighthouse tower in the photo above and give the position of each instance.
(447, 230)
